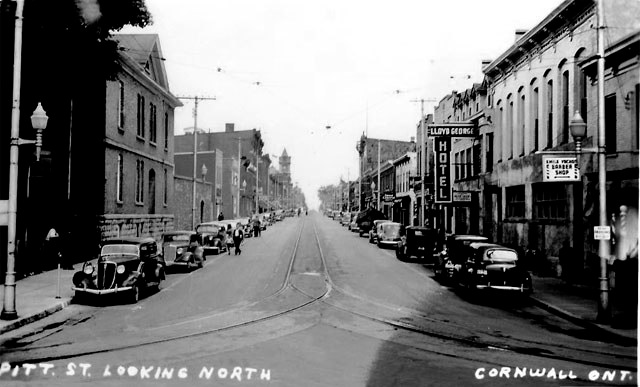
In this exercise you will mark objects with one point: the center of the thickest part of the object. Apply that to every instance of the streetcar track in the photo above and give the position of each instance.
(323, 298)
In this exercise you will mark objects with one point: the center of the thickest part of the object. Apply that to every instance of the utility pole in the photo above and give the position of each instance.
(379, 187)
(196, 99)
(604, 311)
(239, 170)
(424, 159)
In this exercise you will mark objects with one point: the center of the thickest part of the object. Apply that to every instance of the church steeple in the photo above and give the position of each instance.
(285, 162)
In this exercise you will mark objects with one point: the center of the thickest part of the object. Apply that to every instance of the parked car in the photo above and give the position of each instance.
(417, 241)
(492, 266)
(365, 220)
(454, 254)
(125, 265)
(373, 233)
(183, 249)
(346, 219)
(247, 227)
(388, 234)
(213, 237)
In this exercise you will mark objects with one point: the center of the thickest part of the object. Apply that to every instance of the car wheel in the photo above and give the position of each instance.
(370, 239)
(80, 298)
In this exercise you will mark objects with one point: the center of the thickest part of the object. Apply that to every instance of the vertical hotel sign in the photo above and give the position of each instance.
(442, 134)
(442, 153)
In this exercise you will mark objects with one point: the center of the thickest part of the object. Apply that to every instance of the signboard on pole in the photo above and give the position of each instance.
(560, 168)
(601, 233)
(442, 152)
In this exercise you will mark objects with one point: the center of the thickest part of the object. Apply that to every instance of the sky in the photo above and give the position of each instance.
(313, 76)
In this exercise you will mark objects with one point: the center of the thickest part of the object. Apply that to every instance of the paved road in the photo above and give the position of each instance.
(311, 304)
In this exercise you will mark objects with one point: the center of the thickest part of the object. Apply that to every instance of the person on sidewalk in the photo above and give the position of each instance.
(238, 236)
(220, 216)
(229, 240)
(52, 248)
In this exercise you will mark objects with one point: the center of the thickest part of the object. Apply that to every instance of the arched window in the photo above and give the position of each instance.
(152, 191)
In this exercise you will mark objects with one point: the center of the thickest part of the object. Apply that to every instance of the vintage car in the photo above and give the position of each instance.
(417, 241)
(492, 266)
(346, 219)
(125, 265)
(388, 234)
(183, 249)
(365, 220)
(455, 252)
(213, 237)
(373, 233)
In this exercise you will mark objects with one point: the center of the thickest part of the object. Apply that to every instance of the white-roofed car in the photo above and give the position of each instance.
(388, 234)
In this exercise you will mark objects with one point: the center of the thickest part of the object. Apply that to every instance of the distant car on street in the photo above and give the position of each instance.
(126, 265)
(456, 251)
(373, 233)
(183, 249)
(213, 237)
(388, 234)
(346, 219)
(417, 241)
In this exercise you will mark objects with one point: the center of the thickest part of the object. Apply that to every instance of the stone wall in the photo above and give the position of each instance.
(125, 225)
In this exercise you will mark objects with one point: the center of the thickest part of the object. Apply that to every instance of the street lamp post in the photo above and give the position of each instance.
(39, 122)
(578, 129)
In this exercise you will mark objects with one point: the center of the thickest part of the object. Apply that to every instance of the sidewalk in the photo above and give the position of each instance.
(578, 304)
(36, 299)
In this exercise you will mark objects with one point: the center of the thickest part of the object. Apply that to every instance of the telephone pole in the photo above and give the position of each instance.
(424, 157)
(196, 99)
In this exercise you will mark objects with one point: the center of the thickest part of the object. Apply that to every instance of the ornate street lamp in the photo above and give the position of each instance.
(578, 129)
(39, 122)
(203, 171)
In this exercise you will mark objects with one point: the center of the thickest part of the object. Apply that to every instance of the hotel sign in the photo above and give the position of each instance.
(452, 130)
(442, 152)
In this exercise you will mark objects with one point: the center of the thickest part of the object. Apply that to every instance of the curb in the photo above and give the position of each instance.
(615, 336)
(35, 317)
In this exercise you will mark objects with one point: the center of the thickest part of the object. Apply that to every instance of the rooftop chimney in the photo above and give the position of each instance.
(228, 128)
(413, 138)
(520, 33)
(485, 63)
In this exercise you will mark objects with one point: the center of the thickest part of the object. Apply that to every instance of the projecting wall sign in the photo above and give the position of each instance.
(564, 168)
(442, 152)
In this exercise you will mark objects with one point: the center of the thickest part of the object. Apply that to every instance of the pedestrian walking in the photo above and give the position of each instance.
(256, 227)
(52, 248)
(238, 236)
(229, 241)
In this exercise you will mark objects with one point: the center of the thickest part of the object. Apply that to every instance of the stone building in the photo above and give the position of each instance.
(404, 201)
(534, 88)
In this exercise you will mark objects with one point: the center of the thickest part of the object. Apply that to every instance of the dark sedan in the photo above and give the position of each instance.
(492, 266)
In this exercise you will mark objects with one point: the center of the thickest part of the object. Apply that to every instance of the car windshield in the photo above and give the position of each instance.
(119, 250)
(501, 256)
(176, 237)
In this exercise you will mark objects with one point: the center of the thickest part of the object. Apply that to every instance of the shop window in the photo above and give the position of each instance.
(515, 201)
(549, 201)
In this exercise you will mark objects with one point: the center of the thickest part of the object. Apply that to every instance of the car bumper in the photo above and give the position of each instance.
(512, 288)
(388, 243)
(102, 291)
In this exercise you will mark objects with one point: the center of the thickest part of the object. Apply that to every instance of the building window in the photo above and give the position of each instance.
(165, 194)
(534, 117)
(610, 123)
(510, 130)
(521, 124)
(515, 201)
(140, 131)
(119, 179)
(139, 182)
(153, 130)
(469, 162)
(477, 160)
(549, 114)
(583, 96)
(549, 201)
(120, 105)
(565, 107)
(637, 108)
(457, 166)
(166, 130)
(489, 153)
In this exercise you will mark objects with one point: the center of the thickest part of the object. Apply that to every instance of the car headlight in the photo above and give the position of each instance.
(120, 269)
(481, 272)
(179, 251)
(88, 269)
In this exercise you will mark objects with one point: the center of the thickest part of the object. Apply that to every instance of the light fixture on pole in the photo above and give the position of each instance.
(578, 129)
(373, 192)
(39, 122)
